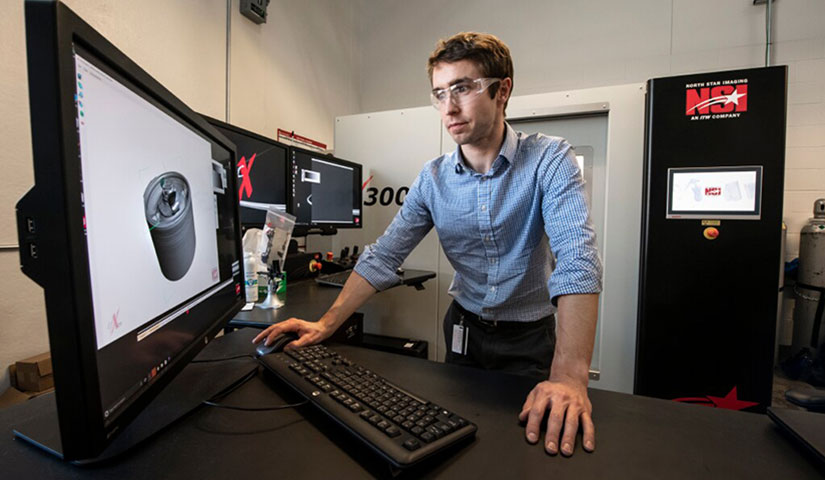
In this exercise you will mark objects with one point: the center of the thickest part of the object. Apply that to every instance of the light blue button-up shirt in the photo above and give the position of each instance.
(517, 236)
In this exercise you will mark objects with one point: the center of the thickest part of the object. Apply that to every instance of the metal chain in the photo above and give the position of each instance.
(802, 295)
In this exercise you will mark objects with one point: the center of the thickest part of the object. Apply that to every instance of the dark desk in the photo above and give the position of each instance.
(637, 437)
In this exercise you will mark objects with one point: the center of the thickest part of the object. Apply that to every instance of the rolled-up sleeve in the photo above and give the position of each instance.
(568, 226)
(379, 261)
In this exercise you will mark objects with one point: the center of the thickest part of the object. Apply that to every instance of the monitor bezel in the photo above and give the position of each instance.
(326, 156)
(61, 266)
(261, 138)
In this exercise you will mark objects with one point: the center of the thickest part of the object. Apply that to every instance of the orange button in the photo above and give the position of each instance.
(711, 233)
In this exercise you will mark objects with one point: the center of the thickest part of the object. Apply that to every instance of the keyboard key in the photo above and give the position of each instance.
(437, 432)
(460, 421)
(392, 431)
(383, 424)
(445, 427)
(417, 430)
(355, 407)
(427, 437)
(412, 444)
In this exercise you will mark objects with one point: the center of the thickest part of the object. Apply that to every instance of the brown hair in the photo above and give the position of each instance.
(487, 51)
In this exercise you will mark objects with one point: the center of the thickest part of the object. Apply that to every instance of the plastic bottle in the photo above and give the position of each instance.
(250, 277)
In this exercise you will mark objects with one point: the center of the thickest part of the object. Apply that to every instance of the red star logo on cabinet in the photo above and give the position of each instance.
(729, 401)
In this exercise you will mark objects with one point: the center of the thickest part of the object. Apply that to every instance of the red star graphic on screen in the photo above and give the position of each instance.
(244, 171)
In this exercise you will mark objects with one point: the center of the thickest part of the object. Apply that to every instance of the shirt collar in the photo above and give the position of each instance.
(508, 148)
(510, 145)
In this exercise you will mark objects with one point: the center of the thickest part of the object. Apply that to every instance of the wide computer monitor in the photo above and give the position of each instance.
(324, 191)
(131, 227)
(261, 174)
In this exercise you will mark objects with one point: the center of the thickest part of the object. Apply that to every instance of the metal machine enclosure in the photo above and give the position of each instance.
(708, 276)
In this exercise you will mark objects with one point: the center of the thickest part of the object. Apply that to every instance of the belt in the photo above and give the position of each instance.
(497, 324)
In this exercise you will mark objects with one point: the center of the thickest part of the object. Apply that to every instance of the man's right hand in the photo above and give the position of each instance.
(354, 294)
(309, 333)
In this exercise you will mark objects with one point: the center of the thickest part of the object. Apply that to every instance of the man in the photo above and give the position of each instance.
(492, 201)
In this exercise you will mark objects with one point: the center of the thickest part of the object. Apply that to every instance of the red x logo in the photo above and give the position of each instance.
(244, 172)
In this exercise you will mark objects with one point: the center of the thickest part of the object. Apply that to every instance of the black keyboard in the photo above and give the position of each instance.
(400, 426)
(337, 279)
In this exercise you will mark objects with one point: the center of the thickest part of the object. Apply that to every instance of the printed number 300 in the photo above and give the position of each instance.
(386, 197)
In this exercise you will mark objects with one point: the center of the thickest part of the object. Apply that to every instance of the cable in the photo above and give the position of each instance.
(256, 409)
(239, 384)
(768, 29)
(224, 359)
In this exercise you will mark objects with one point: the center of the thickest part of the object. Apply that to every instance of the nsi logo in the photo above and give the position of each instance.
(718, 99)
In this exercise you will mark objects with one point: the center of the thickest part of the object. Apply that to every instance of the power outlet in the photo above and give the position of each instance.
(255, 10)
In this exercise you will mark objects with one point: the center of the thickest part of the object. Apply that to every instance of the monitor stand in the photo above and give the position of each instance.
(195, 383)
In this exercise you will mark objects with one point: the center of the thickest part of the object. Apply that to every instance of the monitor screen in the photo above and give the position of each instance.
(131, 227)
(714, 192)
(325, 191)
(261, 172)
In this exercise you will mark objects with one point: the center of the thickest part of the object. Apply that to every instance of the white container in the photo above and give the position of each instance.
(250, 271)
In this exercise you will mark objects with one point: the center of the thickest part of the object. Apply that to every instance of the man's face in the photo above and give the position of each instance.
(475, 120)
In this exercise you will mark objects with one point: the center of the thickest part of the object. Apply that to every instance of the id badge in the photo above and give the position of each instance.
(460, 336)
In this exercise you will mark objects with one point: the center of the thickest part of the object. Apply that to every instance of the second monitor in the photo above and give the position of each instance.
(324, 191)
(261, 172)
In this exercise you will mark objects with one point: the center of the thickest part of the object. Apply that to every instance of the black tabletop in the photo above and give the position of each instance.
(636, 437)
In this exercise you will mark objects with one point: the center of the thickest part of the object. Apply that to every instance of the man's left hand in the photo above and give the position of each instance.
(566, 398)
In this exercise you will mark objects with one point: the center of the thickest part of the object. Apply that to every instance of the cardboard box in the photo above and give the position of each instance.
(34, 374)
(13, 375)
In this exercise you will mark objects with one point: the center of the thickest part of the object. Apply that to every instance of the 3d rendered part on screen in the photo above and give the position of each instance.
(168, 204)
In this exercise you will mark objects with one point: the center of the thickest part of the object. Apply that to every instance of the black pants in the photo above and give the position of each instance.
(523, 348)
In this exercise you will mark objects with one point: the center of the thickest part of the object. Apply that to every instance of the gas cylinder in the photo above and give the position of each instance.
(811, 273)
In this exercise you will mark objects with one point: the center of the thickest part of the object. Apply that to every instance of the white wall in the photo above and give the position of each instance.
(561, 45)
(298, 72)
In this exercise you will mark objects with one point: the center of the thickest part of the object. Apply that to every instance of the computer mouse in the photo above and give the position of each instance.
(277, 345)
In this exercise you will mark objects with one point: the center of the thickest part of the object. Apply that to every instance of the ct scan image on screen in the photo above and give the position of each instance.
(325, 190)
(331, 192)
